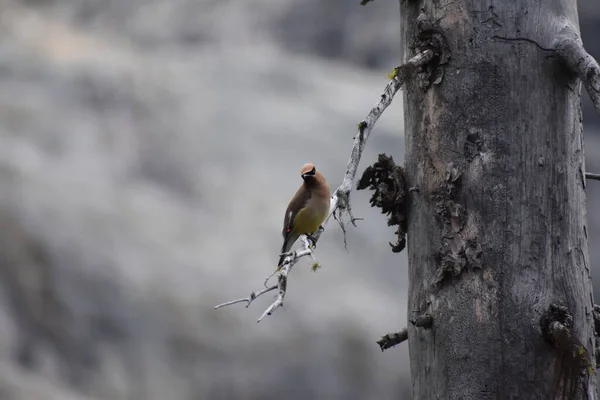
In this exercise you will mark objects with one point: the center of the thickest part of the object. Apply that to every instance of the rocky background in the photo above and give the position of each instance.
(148, 149)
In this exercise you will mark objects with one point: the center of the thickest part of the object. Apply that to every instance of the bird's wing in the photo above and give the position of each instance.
(298, 202)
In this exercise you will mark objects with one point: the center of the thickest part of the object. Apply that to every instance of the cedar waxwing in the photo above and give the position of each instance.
(307, 210)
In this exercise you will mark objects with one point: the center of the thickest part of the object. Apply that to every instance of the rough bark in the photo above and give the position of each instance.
(497, 230)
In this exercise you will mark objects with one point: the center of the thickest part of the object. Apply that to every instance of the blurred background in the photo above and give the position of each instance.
(147, 153)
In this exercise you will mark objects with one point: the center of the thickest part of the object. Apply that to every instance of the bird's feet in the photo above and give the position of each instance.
(312, 242)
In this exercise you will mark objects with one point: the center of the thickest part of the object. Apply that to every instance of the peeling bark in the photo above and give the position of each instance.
(386, 180)
(496, 229)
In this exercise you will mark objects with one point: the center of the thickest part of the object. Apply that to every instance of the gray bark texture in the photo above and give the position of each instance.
(497, 229)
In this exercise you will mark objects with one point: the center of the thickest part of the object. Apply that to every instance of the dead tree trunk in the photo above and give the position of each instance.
(497, 238)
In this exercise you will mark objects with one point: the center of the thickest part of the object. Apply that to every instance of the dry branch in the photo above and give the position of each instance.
(569, 47)
(286, 267)
(340, 200)
(393, 339)
(253, 296)
(595, 177)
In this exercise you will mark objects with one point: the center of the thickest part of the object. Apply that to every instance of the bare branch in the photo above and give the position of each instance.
(283, 273)
(393, 339)
(595, 177)
(253, 296)
(340, 200)
(568, 45)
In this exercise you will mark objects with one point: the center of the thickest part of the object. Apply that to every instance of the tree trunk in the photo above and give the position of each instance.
(497, 228)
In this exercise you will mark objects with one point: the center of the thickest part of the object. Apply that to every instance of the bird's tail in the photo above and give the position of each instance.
(288, 241)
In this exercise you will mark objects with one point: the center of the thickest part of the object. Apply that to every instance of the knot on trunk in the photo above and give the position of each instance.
(424, 321)
(430, 37)
(386, 179)
(572, 358)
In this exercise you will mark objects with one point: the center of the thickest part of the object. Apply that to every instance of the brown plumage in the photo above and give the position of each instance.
(307, 209)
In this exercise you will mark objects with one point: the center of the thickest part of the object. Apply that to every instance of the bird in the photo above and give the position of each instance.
(307, 210)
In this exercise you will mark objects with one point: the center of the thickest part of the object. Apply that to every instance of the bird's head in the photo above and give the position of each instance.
(308, 171)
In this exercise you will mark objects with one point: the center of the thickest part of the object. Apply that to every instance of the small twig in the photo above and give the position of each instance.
(342, 227)
(340, 200)
(393, 339)
(283, 273)
(569, 47)
(595, 177)
(253, 296)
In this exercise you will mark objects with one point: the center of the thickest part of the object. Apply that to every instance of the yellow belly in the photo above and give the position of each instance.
(308, 220)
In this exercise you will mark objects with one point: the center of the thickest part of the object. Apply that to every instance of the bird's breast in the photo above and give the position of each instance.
(309, 219)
